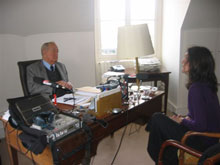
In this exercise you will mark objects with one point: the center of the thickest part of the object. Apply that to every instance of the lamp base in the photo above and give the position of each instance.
(137, 71)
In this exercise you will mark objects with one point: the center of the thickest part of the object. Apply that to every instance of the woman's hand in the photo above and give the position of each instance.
(177, 118)
(187, 118)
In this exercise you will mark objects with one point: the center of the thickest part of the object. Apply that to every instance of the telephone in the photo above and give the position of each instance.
(117, 68)
(109, 85)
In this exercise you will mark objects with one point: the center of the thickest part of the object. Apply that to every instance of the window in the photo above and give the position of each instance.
(111, 14)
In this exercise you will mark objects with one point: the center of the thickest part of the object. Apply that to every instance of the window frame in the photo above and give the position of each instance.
(157, 31)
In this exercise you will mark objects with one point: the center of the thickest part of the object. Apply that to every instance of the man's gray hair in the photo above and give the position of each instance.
(46, 45)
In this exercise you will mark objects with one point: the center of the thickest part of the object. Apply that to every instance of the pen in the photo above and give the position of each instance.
(67, 99)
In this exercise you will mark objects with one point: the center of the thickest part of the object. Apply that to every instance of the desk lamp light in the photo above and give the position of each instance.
(134, 41)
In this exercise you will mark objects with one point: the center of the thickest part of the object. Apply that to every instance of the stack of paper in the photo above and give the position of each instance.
(149, 64)
(82, 97)
(88, 91)
(77, 99)
(109, 74)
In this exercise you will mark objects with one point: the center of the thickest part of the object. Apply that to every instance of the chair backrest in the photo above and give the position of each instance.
(22, 65)
(208, 157)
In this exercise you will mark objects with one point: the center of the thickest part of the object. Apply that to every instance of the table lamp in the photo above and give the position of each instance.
(134, 41)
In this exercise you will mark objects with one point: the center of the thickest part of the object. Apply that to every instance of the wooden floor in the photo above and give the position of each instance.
(132, 151)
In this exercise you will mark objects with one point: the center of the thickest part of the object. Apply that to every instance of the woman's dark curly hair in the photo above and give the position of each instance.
(201, 67)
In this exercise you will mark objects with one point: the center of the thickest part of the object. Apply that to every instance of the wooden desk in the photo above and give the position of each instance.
(142, 109)
(161, 75)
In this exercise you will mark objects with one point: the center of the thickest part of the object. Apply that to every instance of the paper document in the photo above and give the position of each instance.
(112, 74)
(89, 89)
(79, 100)
(88, 94)
(149, 64)
(6, 115)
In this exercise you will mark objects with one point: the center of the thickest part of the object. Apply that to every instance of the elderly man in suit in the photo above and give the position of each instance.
(48, 69)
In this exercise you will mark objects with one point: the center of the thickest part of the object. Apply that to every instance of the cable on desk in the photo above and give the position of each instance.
(6, 126)
(11, 130)
(18, 142)
(32, 158)
(26, 152)
(8, 132)
(17, 137)
(19, 145)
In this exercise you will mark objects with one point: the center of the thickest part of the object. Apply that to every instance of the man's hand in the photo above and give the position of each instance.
(65, 84)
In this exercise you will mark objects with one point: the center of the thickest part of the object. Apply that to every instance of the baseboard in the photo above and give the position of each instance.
(171, 107)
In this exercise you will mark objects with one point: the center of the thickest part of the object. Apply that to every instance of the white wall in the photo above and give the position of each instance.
(1, 57)
(11, 51)
(173, 15)
(27, 17)
(1, 83)
(26, 24)
(201, 27)
(1, 18)
(1, 72)
(202, 14)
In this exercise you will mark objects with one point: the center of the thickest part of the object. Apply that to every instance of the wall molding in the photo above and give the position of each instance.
(171, 107)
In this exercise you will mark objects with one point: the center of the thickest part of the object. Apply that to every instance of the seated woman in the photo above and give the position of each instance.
(203, 105)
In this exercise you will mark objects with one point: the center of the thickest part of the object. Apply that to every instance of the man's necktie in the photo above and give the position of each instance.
(52, 68)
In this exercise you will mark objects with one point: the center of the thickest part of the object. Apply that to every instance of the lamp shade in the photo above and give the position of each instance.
(134, 41)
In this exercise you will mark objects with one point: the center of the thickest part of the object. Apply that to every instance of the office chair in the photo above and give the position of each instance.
(22, 65)
(190, 156)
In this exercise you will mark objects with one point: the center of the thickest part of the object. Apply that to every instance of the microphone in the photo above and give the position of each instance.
(40, 80)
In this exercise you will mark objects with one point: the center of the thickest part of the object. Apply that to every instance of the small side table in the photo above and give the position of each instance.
(160, 75)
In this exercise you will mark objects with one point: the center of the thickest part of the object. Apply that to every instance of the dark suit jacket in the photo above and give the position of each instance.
(38, 69)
